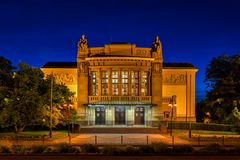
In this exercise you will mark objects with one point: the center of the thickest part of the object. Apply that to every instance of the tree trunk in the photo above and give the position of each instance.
(19, 129)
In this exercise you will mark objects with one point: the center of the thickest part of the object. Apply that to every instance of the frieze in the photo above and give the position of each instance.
(174, 79)
(66, 78)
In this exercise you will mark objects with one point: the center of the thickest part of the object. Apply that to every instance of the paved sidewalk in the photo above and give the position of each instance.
(108, 139)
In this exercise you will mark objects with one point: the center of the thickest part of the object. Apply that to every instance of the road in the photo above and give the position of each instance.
(94, 157)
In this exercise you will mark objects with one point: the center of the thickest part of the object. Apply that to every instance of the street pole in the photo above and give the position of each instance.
(51, 106)
(171, 120)
(68, 120)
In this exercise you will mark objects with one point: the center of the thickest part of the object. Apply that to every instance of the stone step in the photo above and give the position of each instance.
(120, 130)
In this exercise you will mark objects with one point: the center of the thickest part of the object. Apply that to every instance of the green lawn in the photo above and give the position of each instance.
(56, 134)
(203, 132)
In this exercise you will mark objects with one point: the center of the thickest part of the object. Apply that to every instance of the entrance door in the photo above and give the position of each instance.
(100, 116)
(139, 116)
(119, 115)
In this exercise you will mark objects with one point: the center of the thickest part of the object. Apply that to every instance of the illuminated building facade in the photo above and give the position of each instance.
(121, 84)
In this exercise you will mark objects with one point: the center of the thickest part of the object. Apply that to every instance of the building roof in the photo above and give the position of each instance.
(177, 65)
(60, 65)
(74, 65)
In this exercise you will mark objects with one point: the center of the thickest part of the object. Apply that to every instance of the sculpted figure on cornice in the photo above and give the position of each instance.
(66, 78)
(174, 79)
(83, 44)
(156, 47)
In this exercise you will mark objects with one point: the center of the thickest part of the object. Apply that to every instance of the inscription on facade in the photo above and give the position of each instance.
(174, 79)
(66, 78)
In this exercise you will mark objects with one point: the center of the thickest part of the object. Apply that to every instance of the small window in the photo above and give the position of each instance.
(166, 114)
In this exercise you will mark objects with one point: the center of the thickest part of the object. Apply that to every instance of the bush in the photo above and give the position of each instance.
(212, 149)
(39, 148)
(89, 148)
(183, 149)
(110, 150)
(145, 149)
(160, 147)
(65, 148)
(5, 149)
(130, 150)
(235, 149)
(20, 149)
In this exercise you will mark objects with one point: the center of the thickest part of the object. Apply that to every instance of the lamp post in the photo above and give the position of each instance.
(172, 104)
(68, 108)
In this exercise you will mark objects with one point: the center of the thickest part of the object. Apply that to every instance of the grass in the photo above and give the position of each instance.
(56, 134)
(204, 132)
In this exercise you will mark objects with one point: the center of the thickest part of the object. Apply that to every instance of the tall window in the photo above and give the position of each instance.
(94, 84)
(134, 87)
(124, 83)
(115, 76)
(144, 83)
(104, 83)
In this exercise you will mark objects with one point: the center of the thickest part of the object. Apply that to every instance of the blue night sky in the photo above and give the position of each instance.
(195, 31)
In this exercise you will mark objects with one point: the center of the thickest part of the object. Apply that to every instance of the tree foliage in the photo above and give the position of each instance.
(25, 96)
(223, 81)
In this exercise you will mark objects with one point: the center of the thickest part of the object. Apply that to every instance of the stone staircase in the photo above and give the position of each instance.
(112, 130)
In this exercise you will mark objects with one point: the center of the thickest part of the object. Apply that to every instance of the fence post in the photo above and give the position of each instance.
(198, 140)
(43, 138)
(69, 139)
(121, 139)
(95, 139)
(172, 141)
(223, 141)
(147, 139)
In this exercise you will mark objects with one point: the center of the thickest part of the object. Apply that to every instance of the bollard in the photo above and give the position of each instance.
(198, 140)
(43, 138)
(95, 139)
(121, 139)
(223, 141)
(69, 139)
(147, 139)
(172, 141)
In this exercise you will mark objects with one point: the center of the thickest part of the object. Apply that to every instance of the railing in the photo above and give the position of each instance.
(143, 99)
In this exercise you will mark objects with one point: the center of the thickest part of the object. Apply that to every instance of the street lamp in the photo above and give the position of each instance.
(172, 104)
(68, 107)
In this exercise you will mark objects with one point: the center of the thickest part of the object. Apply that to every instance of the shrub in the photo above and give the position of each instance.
(89, 148)
(65, 148)
(20, 149)
(5, 149)
(212, 149)
(145, 149)
(110, 150)
(130, 150)
(235, 149)
(38, 148)
(160, 147)
(183, 149)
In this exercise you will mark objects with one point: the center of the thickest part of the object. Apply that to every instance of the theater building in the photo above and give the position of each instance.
(122, 84)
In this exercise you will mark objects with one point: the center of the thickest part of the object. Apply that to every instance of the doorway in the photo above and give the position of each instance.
(119, 115)
(100, 116)
(139, 116)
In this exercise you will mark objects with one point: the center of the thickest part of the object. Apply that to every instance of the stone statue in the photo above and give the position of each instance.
(83, 44)
(156, 45)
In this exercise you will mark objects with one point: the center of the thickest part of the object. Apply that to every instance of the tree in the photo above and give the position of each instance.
(223, 81)
(24, 101)
(61, 95)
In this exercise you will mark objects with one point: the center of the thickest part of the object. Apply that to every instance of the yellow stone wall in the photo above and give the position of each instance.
(180, 82)
(67, 76)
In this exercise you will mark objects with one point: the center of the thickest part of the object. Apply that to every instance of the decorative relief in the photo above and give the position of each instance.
(174, 79)
(142, 53)
(83, 67)
(66, 78)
